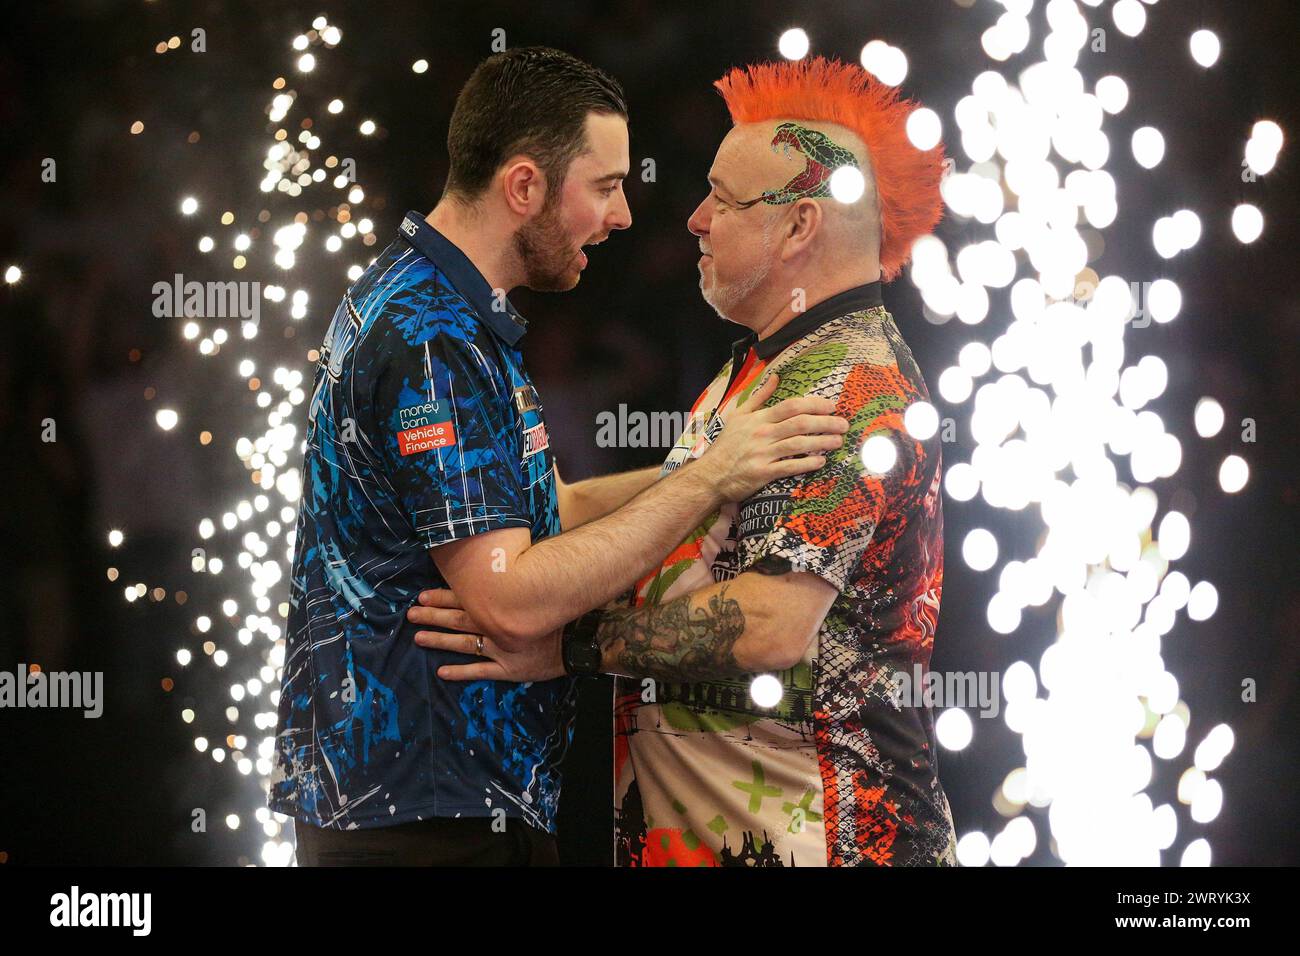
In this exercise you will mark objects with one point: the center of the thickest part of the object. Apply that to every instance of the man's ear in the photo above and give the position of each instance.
(801, 226)
(523, 185)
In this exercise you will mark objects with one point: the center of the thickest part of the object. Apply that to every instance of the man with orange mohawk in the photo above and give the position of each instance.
(757, 719)
(828, 582)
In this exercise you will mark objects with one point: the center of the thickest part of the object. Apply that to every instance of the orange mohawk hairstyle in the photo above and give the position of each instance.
(907, 179)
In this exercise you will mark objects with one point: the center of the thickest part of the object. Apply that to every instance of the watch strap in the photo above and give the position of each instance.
(579, 636)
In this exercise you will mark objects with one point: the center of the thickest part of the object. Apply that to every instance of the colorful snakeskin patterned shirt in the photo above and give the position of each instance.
(839, 772)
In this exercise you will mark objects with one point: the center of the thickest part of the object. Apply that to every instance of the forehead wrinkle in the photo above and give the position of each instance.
(716, 182)
(749, 164)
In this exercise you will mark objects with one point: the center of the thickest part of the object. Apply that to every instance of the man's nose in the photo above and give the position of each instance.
(622, 213)
(698, 224)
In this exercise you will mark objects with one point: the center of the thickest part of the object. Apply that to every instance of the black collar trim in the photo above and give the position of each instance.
(499, 316)
(842, 303)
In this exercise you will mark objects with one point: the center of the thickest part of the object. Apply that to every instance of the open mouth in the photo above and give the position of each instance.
(582, 256)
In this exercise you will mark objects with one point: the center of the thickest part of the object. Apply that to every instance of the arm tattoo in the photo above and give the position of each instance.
(675, 640)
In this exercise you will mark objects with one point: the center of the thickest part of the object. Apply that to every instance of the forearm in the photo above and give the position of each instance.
(590, 500)
(561, 578)
(549, 583)
(707, 634)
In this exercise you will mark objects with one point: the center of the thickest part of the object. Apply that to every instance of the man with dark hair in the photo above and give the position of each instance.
(427, 465)
(539, 102)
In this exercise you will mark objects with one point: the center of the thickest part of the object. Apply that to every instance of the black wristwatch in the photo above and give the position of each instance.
(578, 646)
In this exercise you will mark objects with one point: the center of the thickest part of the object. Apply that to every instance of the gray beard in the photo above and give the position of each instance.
(724, 299)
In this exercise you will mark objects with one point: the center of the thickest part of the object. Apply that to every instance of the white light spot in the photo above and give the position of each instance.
(954, 729)
(921, 420)
(1233, 474)
(924, 128)
(962, 482)
(793, 44)
(1208, 801)
(1211, 751)
(973, 849)
(1112, 92)
(1247, 223)
(1203, 601)
(1174, 535)
(879, 454)
(1164, 300)
(1205, 47)
(1130, 16)
(765, 690)
(955, 385)
(980, 549)
(1197, 853)
(1148, 146)
(847, 184)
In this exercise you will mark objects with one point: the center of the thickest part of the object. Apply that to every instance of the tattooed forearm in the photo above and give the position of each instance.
(678, 640)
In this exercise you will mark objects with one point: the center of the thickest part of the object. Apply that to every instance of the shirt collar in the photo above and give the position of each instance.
(509, 325)
(860, 297)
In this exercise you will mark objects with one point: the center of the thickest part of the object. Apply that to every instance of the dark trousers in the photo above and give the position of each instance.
(440, 841)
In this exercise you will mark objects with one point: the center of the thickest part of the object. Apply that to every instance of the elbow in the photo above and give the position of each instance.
(781, 648)
(783, 656)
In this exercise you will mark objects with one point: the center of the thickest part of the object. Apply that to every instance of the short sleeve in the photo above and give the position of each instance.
(823, 522)
(448, 438)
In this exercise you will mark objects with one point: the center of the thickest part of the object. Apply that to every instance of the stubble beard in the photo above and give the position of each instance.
(725, 298)
(543, 249)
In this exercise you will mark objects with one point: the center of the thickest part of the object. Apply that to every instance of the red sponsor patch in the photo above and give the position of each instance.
(535, 440)
(426, 438)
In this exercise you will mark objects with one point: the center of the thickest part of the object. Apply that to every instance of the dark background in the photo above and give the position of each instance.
(81, 346)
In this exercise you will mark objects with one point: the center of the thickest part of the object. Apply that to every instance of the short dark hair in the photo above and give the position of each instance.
(531, 100)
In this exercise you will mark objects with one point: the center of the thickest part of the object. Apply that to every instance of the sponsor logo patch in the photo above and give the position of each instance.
(526, 398)
(425, 427)
(758, 514)
(535, 440)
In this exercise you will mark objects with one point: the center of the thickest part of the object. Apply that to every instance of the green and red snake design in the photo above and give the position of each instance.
(824, 156)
